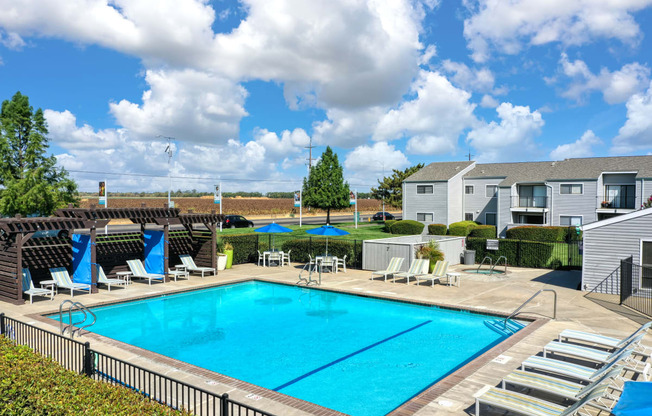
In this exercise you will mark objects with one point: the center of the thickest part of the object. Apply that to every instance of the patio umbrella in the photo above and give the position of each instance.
(273, 228)
(635, 400)
(328, 231)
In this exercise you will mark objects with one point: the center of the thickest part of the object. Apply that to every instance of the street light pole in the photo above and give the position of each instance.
(383, 163)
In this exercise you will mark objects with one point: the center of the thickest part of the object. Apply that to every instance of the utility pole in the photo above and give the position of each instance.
(310, 159)
(170, 153)
(470, 155)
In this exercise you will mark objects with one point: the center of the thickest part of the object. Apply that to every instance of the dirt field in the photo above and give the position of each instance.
(279, 207)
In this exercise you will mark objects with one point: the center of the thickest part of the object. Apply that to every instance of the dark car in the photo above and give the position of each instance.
(379, 216)
(237, 221)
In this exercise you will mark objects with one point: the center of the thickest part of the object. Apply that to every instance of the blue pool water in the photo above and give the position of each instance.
(357, 355)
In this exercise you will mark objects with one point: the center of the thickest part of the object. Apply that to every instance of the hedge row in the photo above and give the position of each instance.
(33, 385)
(483, 231)
(521, 253)
(245, 247)
(462, 228)
(536, 233)
(437, 229)
(303, 248)
(406, 227)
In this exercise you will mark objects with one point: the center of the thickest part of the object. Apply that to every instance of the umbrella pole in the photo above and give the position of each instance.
(327, 246)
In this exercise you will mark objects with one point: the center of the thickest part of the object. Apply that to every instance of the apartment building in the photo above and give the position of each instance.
(568, 192)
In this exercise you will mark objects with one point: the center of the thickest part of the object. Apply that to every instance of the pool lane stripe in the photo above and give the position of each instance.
(332, 363)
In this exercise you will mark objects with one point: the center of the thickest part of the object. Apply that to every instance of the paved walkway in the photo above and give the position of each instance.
(492, 293)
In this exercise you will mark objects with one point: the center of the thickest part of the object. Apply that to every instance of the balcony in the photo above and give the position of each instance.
(618, 202)
(530, 203)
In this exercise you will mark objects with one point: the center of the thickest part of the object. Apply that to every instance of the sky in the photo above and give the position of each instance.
(241, 88)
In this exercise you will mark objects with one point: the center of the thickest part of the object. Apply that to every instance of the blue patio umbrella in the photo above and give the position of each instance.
(636, 399)
(273, 228)
(327, 231)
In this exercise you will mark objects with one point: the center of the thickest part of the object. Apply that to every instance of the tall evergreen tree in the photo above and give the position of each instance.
(32, 182)
(325, 187)
(390, 188)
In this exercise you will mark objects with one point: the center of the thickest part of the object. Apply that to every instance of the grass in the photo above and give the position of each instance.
(365, 231)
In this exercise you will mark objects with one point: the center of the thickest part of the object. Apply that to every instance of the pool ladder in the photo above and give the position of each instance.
(310, 267)
(71, 325)
(492, 264)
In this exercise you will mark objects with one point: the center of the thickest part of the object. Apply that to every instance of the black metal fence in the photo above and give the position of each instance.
(536, 254)
(630, 284)
(79, 357)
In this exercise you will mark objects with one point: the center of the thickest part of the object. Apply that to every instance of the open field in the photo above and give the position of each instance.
(242, 206)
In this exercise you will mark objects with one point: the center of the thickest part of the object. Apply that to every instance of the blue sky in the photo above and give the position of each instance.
(242, 87)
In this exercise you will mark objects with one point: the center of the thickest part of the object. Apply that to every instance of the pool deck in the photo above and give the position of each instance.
(451, 396)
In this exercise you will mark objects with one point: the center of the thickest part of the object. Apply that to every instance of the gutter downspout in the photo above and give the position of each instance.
(550, 222)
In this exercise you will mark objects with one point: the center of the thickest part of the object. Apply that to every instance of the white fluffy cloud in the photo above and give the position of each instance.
(375, 158)
(582, 147)
(288, 143)
(509, 139)
(189, 105)
(509, 25)
(434, 119)
(616, 86)
(636, 133)
(481, 80)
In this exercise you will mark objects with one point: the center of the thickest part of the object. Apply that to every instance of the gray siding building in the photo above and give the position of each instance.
(571, 192)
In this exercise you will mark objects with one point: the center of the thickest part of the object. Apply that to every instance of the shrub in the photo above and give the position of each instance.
(518, 252)
(388, 225)
(244, 247)
(33, 385)
(410, 227)
(535, 233)
(483, 231)
(431, 252)
(437, 229)
(303, 247)
(462, 228)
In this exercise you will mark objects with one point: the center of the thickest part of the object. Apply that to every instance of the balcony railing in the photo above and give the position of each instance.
(622, 202)
(529, 202)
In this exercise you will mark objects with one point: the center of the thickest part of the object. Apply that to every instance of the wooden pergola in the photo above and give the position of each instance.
(16, 232)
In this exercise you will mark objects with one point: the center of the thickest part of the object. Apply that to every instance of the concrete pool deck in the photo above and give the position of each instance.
(454, 396)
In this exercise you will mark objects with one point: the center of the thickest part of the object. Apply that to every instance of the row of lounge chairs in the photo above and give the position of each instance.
(61, 278)
(418, 270)
(597, 386)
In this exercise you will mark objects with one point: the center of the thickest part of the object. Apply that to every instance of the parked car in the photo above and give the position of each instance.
(379, 216)
(237, 221)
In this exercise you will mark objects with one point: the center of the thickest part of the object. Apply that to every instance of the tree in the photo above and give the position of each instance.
(325, 187)
(32, 182)
(391, 188)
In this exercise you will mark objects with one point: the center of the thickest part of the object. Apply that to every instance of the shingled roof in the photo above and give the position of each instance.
(438, 171)
(528, 172)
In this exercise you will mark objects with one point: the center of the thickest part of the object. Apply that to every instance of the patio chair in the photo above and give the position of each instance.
(190, 265)
(102, 279)
(559, 386)
(576, 371)
(528, 405)
(276, 257)
(341, 262)
(394, 266)
(440, 270)
(418, 266)
(29, 289)
(286, 258)
(261, 257)
(63, 281)
(328, 261)
(601, 340)
(588, 353)
(138, 271)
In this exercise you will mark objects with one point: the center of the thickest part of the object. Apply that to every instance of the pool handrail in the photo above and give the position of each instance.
(482, 262)
(71, 325)
(491, 271)
(518, 310)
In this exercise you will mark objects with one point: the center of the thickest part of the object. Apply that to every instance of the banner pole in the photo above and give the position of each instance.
(221, 204)
(300, 206)
(106, 205)
(356, 209)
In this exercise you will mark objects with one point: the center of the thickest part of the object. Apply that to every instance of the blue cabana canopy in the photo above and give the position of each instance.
(636, 399)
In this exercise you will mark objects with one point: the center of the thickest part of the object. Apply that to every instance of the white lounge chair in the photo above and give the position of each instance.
(63, 281)
(138, 271)
(190, 265)
(601, 340)
(394, 266)
(588, 353)
(439, 272)
(29, 289)
(528, 405)
(102, 279)
(418, 267)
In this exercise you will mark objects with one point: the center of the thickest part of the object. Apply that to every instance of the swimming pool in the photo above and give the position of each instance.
(358, 355)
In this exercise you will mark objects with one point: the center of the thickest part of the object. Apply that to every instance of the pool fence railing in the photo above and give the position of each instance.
(79, 357)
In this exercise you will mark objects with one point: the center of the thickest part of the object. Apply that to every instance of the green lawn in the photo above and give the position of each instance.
(365, 231)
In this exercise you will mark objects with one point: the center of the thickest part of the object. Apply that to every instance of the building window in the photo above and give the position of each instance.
(620, 196)
(468, 216)
(468, 189)
(570, 189)
(491, 191)
(490, 218)
(425, 217)
(646, 263)
(424, 189)
(570, 220)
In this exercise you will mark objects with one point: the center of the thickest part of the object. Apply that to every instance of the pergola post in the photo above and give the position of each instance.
(213, 228)
(93, 232)
(166, 251)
